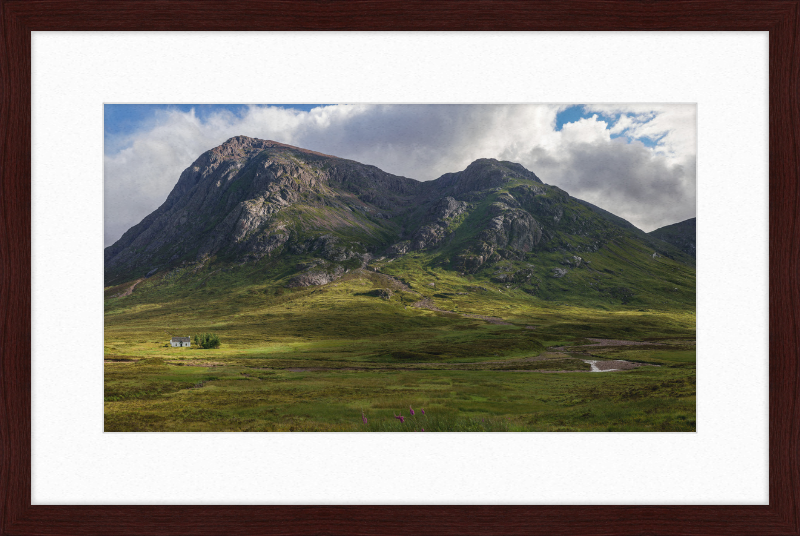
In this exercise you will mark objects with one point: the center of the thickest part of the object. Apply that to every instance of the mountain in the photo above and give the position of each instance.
(299, 218)
(682, 235)
(246, 198)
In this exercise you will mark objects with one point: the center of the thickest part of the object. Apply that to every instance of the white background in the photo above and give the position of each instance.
(725, 462)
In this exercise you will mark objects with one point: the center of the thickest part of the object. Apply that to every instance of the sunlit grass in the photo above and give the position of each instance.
(313, 359)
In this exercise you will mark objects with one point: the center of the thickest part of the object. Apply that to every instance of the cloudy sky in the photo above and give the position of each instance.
(637, 161)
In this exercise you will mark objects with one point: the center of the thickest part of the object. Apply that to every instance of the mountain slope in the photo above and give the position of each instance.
(247, 198)
(682, 235)
(295, 218)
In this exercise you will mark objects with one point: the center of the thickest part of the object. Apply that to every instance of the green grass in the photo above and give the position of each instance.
(315, 358)
(236, 398)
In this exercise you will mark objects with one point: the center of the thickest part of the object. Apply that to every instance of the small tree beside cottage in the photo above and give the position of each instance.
(207, 340)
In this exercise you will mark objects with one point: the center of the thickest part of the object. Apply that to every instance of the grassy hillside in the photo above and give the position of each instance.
(471, 352)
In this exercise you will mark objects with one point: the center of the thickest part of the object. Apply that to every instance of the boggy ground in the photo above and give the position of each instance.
(475, 357)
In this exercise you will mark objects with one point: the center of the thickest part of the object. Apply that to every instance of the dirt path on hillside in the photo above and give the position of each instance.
(426, 366)
(617, 342)
(598, 343)
(129, 290)
(196, 363)
(544, 356)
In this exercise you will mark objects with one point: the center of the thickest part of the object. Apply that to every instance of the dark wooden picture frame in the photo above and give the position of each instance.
(781, 18)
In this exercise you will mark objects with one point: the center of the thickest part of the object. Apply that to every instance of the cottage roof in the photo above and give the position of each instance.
(180, 339)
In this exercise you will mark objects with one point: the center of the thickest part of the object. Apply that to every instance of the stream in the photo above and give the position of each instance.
(593, 364)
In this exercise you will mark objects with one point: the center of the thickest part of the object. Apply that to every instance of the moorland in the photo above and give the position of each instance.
(345, 297)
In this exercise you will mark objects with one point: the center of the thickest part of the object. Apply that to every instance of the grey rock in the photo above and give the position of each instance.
(316, 276)
(511, 228)
(383, 293)
(400, 248)
(448, 208)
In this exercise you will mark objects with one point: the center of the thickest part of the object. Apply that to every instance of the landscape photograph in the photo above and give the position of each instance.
(400, 267)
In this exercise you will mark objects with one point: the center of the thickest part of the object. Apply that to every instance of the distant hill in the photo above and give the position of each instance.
(682, 235)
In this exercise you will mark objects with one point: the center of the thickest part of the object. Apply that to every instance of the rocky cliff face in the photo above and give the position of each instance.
(251, 199)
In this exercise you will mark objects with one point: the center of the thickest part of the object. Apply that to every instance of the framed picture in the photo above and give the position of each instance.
(446, 311)
(333, 503)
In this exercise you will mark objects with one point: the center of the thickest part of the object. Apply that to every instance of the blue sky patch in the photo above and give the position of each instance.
(121, 119)
(651, 142)
(577, 112)
(570, 115)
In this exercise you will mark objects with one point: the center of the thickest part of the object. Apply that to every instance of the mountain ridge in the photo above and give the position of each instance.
(251, 201)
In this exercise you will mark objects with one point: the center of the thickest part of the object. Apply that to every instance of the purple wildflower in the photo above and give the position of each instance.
(423, 429)
(423, 411)
(401, 418)
(411, 410)
(363, 417)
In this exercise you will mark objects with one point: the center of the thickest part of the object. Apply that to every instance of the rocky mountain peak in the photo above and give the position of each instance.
(243, 146)
(484, 174)
(490, 167)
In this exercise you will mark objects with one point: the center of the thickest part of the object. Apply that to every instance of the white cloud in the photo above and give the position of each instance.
(675, 124)
(585, 130)
(648, 186)
(623, 124)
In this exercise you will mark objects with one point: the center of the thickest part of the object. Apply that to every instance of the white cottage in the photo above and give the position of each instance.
(181, 341)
